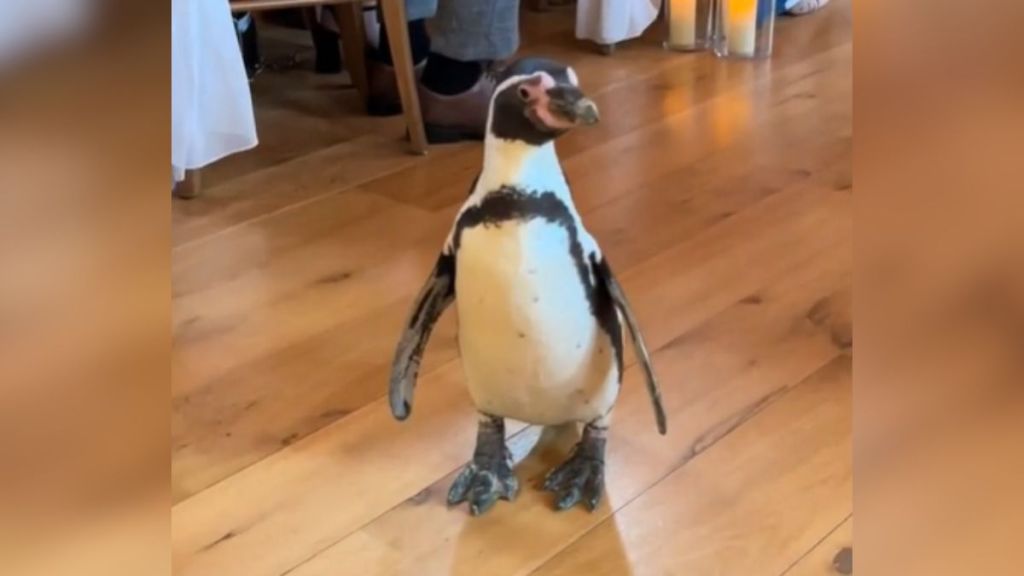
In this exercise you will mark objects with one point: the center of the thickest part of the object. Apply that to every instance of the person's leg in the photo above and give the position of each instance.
(455, 91)
(420, 9)
(476, 30)
(467, 35)
(416, 12)
(383, 87)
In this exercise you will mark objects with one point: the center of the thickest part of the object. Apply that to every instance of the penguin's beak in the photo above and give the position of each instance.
(568, 103)
(558, 107)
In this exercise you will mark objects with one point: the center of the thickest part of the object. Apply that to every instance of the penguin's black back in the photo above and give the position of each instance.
(532, 65)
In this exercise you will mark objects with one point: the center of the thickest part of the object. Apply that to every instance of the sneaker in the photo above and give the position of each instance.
(802, 7)
(383, 98)
(460, 116)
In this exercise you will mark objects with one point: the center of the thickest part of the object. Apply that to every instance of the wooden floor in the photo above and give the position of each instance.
(720, 191)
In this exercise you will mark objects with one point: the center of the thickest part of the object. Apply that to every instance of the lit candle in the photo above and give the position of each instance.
(682, 23)
(740, 26)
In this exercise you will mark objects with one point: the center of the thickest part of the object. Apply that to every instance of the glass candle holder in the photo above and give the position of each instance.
(743, 28)
(690, 24)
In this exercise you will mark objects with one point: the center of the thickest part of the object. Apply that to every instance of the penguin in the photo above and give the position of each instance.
(540, 313)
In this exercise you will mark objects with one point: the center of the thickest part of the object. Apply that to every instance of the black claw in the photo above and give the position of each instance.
(489, 475)
(482, 502)
(569, 498)
(511, 487)
(593, 488)
(580, 478)
(460, 488)
(554, 479)
(482, 484)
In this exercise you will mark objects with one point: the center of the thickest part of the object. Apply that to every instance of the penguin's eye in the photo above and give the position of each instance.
(524, 94)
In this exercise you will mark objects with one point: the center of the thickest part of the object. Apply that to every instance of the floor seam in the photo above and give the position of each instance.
(758, 407)
(815, 545)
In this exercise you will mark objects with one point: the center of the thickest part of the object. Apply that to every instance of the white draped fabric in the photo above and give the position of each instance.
(611, 21)
(211, 106)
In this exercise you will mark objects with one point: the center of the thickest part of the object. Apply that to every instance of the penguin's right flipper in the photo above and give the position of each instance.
(433, 299)
(603, 274)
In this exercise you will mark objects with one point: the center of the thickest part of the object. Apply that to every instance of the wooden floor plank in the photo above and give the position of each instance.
(288, 278)
(272, 189)
(751, 505)
(832, 556)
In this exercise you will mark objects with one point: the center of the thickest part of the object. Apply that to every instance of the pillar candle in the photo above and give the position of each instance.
(682, 23)
(740, 26)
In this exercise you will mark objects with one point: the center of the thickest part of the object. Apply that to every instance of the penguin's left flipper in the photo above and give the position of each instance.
(433, 299)
(603, 274)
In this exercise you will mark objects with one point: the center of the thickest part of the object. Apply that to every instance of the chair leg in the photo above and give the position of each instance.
(190, 187)
(401, 54)
(353, 43)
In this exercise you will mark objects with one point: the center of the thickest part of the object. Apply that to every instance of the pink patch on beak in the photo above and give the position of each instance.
(540, 102)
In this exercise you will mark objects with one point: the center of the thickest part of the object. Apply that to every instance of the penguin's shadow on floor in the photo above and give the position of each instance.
(483, 546)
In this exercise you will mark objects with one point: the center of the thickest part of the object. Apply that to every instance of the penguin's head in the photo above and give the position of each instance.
(538, 100)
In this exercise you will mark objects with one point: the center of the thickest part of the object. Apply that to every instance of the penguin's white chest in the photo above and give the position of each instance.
(531, 347)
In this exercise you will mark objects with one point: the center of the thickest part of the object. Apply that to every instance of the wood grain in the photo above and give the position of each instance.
(828, 557)
(769, 491)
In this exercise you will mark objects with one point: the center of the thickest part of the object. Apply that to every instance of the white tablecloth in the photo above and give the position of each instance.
(211, 106)
(611, 21)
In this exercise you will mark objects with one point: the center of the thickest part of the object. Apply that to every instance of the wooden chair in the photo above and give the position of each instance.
(349, 15)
